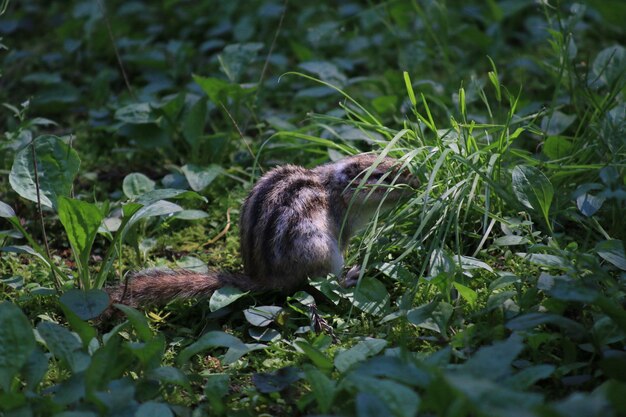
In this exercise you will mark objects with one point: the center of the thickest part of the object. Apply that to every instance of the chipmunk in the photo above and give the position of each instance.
(294, 224)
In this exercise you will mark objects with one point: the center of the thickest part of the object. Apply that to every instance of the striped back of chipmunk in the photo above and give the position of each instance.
(285, 206)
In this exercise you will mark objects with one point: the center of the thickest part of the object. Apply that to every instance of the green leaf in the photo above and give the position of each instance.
(323, 388)
(533, 189)
(168, 193)
(262, 316)
(400, 400)
(168, 375)
(193, 125)
(467, 293)
(210, 340)
(16, 342)
(510, 240)
(556, 124)
(136, 113)
(64, 345)
(57, 165)
(422, 313)
(318, 358)
(609, 66)
(84, 330)
(612, 251)
(35, 368)
(527, 377)
(495, 361)
(81, 221)
(276, 381)
(359, 352)
(236, 58)
(136, 184)
(371, 296)
(138, 320)
(158, 208)
(409, 88)
(6, 210)
(225, 296)
(86, 304)
(200, 177)
(153, 408)
(532, 320)
(557, 147)
(369, 405)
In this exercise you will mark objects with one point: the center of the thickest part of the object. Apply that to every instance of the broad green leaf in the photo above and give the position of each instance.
(510, 240)
(150, 352)
(544, 259)
(168, 375)
(136, 113)
(168, 193)
(235, 59)
(532, 320)
(557, 147)
(224, 296)
(399, 399)
(16, 342)
(262, 316)
(136, 184)
(64, 345)
(219, 90)
(359, 352)
(158, 208)
(318, 358)
(612, 251)
(420, 314)
(533, 189)
(401, 370)
(193, 125)
(108, 363)
(200, 177)
(138, 320)
(210, 340)
(369, 405)
(191, 215)
(216, 388)
(322, 387)
(466, 293)
(325, 71)
(495, 361)
(468, 262)
(527, 377)
(57, 165)
(556, 124)
(35, 368)
(609, 66)
(81, 221)
(6, 210)
(371, 296)
(152, 409)
(84, 330)
(276, 381)
(86, 304)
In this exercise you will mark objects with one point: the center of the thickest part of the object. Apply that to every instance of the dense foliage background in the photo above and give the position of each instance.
(497, 289)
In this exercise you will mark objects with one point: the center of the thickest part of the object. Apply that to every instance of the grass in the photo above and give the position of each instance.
(497, 288)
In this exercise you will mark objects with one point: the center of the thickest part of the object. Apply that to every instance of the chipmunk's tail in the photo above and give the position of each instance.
(160, 286)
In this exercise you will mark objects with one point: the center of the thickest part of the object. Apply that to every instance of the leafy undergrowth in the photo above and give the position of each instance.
(497, 288)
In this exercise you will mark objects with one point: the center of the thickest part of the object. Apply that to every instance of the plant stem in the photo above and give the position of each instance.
(57, 282)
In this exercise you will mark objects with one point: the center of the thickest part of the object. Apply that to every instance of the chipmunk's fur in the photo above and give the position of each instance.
(294, 224)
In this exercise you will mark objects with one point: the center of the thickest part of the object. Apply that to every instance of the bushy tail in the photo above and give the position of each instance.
(160, 286)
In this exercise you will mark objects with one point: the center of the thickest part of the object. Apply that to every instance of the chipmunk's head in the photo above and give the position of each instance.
(368, 179)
